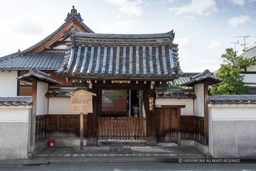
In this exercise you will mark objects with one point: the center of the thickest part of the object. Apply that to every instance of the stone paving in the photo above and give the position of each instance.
(120, 151)
(109, 154)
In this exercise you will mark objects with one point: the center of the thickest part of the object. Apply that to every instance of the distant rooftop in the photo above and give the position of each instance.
(232, 99)
(249, 51)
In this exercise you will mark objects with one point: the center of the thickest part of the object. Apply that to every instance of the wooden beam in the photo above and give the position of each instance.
(170, 106)
(206, 112)
(178, 127)
(60, 43)
(81, 131)
(119, 86)
(33, 117)
(73, 23)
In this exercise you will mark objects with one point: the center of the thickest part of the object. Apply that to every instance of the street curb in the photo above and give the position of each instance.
(111, 160)
(31, 163)
(106, 155)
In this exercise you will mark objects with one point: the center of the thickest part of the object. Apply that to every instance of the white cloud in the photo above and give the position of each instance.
(198, 7)
(29, 26)
(235, 21)
(183, 43)
(213, 44)
(238, 2)
(212, 67)
(132, 8)
(117, 27)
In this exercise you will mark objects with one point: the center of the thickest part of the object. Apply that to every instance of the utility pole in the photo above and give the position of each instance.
(235, 43)
(244, 37)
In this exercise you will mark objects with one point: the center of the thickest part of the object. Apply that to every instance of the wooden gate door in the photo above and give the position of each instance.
(168, 124)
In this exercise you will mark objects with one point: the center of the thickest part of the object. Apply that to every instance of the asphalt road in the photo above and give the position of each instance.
(134, 167)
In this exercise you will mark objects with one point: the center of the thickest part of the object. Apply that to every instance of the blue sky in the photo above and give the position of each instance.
(203, 28)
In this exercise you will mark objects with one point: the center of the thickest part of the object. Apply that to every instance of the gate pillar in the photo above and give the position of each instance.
(150, 114)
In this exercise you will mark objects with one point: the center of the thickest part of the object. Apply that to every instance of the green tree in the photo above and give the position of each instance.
(230, 73)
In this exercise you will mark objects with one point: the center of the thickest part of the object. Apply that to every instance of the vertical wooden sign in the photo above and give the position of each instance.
(151, 103)
(81, 103)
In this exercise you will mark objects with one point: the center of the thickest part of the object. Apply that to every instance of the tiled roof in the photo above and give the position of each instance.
(15, 101)
(250, 51)
(72, 15)
(175, 94)
(232, 99)
(204, 76)
(184, 78)
(39, 75)
(252, 90)
(61, 92)
(42, 61)
(122, 56)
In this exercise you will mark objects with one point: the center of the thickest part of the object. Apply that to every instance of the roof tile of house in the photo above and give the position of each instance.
(15, 101)
(61, 92)
(232, 99)
(42, 61)
(204, 76)
(175, 94)
(122, 56)
(23, 60)
(250, 51)
(39, 75)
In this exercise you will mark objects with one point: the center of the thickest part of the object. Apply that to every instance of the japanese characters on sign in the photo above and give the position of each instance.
(81, 102)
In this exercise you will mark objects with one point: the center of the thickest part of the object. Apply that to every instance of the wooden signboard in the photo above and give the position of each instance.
(81, 102)
(151, 103)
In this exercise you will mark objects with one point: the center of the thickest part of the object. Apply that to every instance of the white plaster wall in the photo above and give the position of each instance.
(14, 132)
(42, 101)
(8, 83)
(251, 69)
(232, 112)
(199, 101)
(59, 106)
(188, 110)
(249, 78)
(14, 113)
(232, 130)
(210, 131)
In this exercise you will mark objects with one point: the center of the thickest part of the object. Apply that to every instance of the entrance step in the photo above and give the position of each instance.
(120, 143)
(119, 151)
(105, 155)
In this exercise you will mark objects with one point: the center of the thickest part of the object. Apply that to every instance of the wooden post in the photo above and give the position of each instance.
(33, 117)
(81, 131)
(206, 112)
(151, 117)
(179, 126)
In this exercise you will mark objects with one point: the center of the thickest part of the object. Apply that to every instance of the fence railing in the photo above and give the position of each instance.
(40, 128)
(192, 128)
(122, 128)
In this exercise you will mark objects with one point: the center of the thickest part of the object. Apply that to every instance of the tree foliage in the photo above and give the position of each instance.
(230, 73)
(116, 95)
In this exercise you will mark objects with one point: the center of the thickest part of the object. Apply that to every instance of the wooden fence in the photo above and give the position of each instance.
(40, 127)
(122, 128)
(192, 128)
(113, 128)
(59, 126)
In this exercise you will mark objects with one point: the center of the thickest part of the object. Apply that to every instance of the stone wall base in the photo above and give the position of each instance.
(200, 147)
